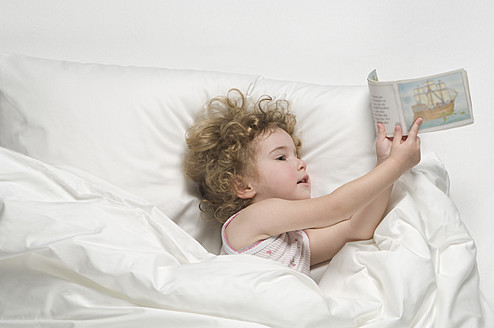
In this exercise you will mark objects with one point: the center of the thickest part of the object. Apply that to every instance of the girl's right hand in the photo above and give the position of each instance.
(406, 151)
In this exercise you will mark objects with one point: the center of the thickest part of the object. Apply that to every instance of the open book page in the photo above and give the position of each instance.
(443, 101)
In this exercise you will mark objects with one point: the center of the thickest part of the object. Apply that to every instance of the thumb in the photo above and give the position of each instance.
(398, 134)
(381, 131)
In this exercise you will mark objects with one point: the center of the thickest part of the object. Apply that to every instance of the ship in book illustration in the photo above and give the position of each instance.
(434, 100)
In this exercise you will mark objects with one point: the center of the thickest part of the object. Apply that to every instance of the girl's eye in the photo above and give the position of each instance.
(281, 158)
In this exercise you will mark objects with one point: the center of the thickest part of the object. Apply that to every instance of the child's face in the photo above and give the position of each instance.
(280, 173)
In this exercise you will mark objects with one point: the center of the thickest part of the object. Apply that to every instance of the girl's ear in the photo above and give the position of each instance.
(242, 188)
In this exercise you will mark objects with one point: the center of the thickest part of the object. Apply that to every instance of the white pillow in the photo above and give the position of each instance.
(126, 125)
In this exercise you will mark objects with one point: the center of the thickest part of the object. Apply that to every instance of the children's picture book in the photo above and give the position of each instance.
(443, 101)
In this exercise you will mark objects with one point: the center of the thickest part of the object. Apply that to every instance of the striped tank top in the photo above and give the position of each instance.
(290, 248)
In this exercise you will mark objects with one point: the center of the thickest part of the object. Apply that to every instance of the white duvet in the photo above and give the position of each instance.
(78, 252)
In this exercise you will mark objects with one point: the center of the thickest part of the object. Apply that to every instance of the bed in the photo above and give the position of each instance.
(99, 226)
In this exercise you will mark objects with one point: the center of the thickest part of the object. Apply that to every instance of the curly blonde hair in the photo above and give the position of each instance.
(220, 147)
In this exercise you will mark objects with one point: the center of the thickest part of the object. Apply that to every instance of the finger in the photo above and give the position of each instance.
(381, 131)
(398, 134)
(414, 130)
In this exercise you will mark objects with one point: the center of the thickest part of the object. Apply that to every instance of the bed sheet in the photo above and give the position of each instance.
(76, 250)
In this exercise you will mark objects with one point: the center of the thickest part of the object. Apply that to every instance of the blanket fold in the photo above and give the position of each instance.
(77, 251)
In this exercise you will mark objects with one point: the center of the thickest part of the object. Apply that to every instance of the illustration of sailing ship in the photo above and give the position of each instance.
(433, 100)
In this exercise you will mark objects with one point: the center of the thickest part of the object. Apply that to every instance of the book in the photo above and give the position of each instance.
(443, 101)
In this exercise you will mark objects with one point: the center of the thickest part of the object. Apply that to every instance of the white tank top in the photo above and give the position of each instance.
(290, 248)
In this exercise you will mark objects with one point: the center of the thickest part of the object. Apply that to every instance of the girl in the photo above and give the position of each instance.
(245, 158)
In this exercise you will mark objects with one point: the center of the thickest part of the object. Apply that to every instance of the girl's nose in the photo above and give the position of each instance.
(302, 165)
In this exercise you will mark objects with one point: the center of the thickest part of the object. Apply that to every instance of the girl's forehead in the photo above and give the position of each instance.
(271, 140)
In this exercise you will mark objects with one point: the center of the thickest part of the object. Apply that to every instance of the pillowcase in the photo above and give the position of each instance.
(127, 125)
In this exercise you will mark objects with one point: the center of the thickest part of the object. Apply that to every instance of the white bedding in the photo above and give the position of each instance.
(125, 126)
(76, 250)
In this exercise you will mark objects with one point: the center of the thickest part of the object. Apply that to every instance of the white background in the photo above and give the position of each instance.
(318, 41)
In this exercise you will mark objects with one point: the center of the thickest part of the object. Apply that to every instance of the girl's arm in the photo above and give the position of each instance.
(326, 242)
(369, 192)
(367, 219)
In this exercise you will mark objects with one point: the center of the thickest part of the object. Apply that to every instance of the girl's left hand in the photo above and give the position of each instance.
(383, 144)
